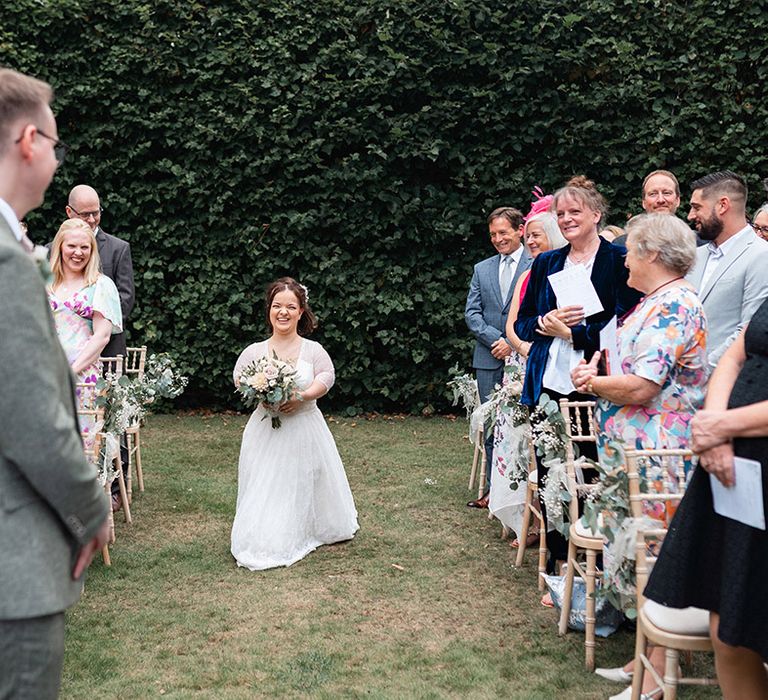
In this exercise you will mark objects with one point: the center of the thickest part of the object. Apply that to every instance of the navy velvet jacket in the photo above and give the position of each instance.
(609, 277)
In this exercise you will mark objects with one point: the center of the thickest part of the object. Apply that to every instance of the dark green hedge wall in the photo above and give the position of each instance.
(359, 146)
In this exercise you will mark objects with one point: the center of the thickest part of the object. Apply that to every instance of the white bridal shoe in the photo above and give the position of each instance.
(617, 675)
(626, 694)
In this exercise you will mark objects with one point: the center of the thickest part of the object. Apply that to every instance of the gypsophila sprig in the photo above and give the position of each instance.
(548, 427)
(464, 388)
(269, 381)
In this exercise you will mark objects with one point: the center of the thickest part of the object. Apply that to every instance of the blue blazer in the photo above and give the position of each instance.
(609, 277)
(486, 312)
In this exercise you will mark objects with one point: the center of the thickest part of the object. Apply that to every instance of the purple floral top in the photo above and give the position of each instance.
(74, 319)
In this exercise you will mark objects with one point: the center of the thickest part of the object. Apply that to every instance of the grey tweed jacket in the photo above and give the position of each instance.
(50, 501)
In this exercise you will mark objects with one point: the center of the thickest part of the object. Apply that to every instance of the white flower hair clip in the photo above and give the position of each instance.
(306, 292)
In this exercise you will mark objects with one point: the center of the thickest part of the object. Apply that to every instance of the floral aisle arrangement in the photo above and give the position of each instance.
(607, 510)
(269, 381)
(464, 388)
(126, 401)
(504, 408)
(549, 437)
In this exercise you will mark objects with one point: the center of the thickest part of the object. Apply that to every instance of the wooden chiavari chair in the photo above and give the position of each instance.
(674, 629)
(580, 428)
(135, 360)
(532, 508)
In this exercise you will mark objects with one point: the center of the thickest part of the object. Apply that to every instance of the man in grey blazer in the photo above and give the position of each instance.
(115, 255)
(490, 293)
(52, 509)
(730, 272)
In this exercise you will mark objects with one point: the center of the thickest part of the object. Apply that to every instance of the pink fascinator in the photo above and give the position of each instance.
(540, 204)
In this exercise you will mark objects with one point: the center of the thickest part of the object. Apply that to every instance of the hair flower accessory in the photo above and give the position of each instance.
(540, 204)
(306, 292)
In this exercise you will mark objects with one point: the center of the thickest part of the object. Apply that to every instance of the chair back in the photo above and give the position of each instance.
(657, 481)
(135, 359)
(579, 428)
(89, 416)
(112, 365)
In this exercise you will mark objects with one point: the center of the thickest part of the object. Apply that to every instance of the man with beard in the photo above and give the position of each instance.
(730, 272)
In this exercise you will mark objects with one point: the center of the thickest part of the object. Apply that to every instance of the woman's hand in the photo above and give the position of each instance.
(709, 429)
(719, 461)
(551, 325)
(583, 373)
(292, 404)
(570, 315)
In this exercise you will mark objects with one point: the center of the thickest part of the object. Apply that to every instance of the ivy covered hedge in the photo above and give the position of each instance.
(359, 146)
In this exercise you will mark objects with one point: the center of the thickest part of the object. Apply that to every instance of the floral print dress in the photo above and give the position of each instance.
(74, 325)
(663, 340)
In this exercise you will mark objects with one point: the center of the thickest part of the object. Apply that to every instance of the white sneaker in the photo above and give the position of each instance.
(617, 675)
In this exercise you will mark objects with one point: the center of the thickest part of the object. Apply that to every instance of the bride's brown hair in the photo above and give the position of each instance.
(308, 321)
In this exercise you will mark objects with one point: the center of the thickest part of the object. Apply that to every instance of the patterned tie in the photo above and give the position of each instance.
(505, 279)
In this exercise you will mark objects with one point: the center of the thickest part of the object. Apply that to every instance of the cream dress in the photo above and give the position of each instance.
(293, 494)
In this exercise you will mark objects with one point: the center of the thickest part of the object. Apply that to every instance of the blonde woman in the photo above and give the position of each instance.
(86, 310)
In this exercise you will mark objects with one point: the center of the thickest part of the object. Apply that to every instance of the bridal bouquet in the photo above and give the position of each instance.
(269, 381)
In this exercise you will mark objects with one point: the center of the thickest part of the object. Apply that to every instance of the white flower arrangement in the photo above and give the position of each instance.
(269, 381)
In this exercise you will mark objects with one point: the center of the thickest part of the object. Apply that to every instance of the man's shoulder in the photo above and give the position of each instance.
(112, 240)
(487, 262)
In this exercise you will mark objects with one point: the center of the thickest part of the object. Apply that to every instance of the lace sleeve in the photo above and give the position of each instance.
(323, 366)
(251, 353)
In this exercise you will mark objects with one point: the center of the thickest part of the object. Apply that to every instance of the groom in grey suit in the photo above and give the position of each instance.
(730, 273)
(53, 513)
(490, 293)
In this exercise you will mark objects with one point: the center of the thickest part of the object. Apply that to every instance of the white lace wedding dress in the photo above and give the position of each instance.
(293, 494)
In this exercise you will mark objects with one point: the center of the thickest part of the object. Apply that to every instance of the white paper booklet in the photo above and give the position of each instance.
(744, 500)
(573, 287)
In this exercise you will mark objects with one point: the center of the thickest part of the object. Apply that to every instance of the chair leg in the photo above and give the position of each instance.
(670, 674)
(123, 492)
(483, 474)
(137, 449)
(475, 460)
(542, 548)
(522, 536)
(639, 668)
(589, 631)
(565, 611)
(128, 485)
(111, 519)
(105, 555)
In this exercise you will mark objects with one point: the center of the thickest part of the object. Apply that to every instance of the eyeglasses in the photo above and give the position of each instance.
(87, 214)
(59, 147)
(761, 231)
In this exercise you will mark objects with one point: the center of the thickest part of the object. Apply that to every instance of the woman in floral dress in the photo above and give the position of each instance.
(662, 352)
(85, 306)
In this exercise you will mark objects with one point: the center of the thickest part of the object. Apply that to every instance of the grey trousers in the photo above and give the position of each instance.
(31, 657)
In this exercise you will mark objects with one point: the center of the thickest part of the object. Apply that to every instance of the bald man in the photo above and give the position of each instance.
(114, 252)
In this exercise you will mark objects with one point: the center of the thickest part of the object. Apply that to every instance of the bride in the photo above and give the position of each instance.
(293, 494)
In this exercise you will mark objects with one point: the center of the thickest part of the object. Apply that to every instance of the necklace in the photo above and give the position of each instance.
(626, 315)
(645, 296)
(585, 256)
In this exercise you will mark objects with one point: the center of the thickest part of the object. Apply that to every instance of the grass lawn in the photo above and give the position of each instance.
(424, 603)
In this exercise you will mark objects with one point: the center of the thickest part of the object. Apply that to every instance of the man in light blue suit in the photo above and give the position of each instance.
(490, 293)
(730, 272)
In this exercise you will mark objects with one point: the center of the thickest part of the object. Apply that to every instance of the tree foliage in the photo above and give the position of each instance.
(359, 148)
